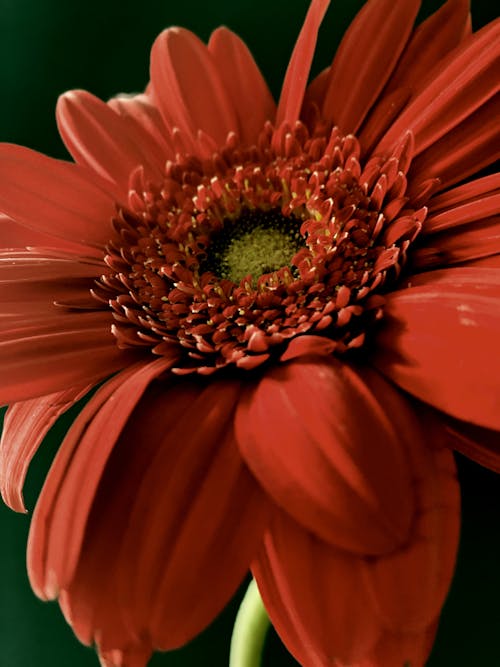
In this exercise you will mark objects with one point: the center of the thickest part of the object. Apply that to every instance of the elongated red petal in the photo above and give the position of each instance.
(42, 357)
(148, 128)
(468, 212)
(53, 197)
(435, 38)
(463, 84)
(186, 477)
(63, 508)
(244, 83)
(378, 612)
(316, 596)
(21, 265)
(471, 146)
(410, 585)
(365, 59)
(459, 244)
(452, 364)
(24, 428)
(468, 192)
(188, 88)
(102, 140)
(315, 437)
(294, 85)
(14, 235)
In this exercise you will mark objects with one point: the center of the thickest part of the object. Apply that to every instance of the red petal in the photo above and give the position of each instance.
(63, 508)
(471, 146)
(318, 442)
(316, 596)
(37, 297)
(99, 138)
(482, 445)
(134, 656)
(49, 355)
(440, 344)
(462, 84)
(187, 87)
(25, 426)
(147, 125)
(53, 197)
(381, 118)
(244, 83)
(375, 612)
(459, 215)
(468, 192)
(431, 41)
(459, 244)
(175, 490)
(410, 585)
(14, 235)
(393, 650)
(28, 265)
(365, 59)
(297, 73)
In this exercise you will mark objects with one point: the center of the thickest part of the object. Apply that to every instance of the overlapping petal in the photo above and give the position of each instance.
(460, 86)
(340, 448)
(62, 510)
(102, 140)
(182, 74)
(331, 605)
(43, 355)
(24, 428)
(316, 469)
(244, 83)
(296, 76)
(53, 197)
(358, 75)
(439, 342)
(175, 464)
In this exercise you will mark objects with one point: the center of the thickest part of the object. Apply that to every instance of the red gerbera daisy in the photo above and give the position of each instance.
(295, 312)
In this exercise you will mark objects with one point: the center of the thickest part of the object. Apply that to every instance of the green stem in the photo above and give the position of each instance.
(249, 632)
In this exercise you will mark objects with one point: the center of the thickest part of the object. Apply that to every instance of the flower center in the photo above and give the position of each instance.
(235, 254)
(257, 243)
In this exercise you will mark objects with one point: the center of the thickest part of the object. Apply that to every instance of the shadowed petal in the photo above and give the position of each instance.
(365, 59)
(184, 492)
(147, 125)
(244, 83)
(468, 192)
(25, 426)
(462, 84)
(432, 40)
(20, 265)
(471, 146)
(468, 212)
(458, 244)
(439, 342)
(14, 235)
(187, 87)
(316, 596)
(49, 355)
(480, 444)
(102, 140)
(62, 510)
(375, 612)
(314, 436)
(53, 197)
(294, 85)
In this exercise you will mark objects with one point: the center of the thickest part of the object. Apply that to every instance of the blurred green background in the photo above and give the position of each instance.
(48, 46)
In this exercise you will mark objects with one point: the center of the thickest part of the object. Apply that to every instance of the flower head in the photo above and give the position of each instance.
(295, 312)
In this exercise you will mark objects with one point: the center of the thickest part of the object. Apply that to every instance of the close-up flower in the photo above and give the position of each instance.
(284, 316)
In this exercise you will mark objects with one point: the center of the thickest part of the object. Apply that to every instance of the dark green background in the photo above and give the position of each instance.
(48, 46)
